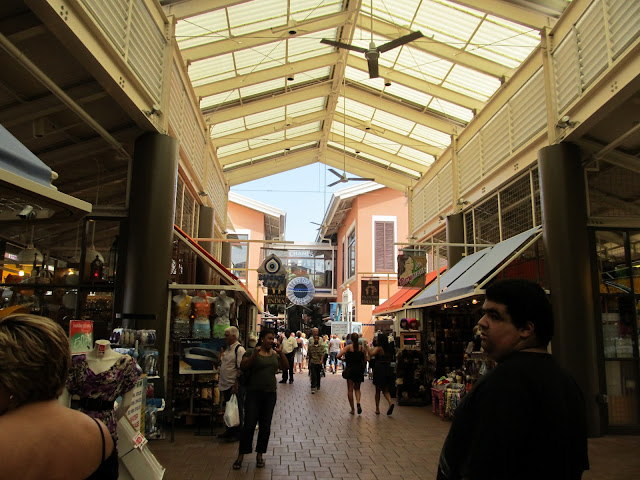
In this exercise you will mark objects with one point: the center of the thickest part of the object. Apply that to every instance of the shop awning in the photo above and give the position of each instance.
(404, 295)
(26, 181)
(232, 282)
(470, 274)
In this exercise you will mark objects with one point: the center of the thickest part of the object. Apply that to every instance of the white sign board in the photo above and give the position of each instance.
(342, 328)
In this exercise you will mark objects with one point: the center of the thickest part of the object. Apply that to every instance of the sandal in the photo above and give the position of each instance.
(237, 465)
(390, 411)
(377, 412)
(260, 463)
(359, 409)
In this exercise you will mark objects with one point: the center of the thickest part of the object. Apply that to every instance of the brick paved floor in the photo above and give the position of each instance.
(315, 437)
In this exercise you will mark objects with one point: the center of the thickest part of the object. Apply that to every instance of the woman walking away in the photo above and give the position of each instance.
(356, 358)
(261, 366)
(382, 373)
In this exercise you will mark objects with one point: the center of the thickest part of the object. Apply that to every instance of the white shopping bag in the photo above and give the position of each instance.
(231, 412)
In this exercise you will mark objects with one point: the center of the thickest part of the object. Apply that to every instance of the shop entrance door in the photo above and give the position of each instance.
(618, 262)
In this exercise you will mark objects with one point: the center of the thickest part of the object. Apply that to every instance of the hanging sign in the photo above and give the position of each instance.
(369, 292)
(276, 297)
(271, 274)
(412, 269)
(300, 290)
(81, 335)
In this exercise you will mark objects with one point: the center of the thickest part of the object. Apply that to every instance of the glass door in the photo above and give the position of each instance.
(618, 258)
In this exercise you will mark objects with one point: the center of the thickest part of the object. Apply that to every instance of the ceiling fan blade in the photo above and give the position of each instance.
(336, 173)
(361, 179)
(316, 223)
(400, 41)
(343, 45)
(336, 182)
(373, 67)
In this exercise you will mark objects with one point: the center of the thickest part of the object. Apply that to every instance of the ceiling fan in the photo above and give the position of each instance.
(344, 179)
(372, 54)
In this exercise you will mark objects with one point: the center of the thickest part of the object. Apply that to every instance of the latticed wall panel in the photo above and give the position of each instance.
(613, 191)
(179, 197)
(516, 208)
(508, 212)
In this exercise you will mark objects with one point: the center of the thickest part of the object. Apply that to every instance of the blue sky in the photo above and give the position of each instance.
(302, 193)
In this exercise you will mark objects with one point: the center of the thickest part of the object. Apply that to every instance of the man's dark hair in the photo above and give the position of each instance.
(287, 333)
(526, 301)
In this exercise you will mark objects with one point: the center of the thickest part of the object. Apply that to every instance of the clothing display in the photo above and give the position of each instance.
(525, 419)
(182, 312)
(101, 389)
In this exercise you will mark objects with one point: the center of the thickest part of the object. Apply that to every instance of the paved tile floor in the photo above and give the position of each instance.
(315, 437)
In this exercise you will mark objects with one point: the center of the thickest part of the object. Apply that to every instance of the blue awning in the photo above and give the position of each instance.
(475, 270)
(18, 159)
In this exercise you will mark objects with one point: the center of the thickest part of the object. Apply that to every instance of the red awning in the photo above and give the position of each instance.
(403, 295)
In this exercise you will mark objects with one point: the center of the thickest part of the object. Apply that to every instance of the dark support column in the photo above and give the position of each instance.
(566, 243)
(205, 230)
(455, 234)
(226, 254)
(151, 213)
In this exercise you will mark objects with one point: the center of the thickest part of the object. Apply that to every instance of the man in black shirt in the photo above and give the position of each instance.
(525, 419)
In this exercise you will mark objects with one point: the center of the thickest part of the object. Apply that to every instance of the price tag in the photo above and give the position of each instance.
(139, 441)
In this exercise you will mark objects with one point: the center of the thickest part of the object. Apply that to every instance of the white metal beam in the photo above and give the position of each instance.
(255, 78)
(263, 37)
(439, 123)
(265, 168)
(419, 168)
(438, 49)
(191, 8)
(357, 61)
(512, 12)
(395, 137)
(267, 129)
(218, 116)
(271, 148)
(365, 169)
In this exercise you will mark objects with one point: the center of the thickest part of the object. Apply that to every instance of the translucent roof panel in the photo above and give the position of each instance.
(471, 82)
(206, 28)
(227, 128)
(220, 99)
(293, 132)
(381, 143)
(404, 169)
(354, 109)
(266, 117)
(392, 122)
(212, 70)
(266, 139)
(416, 155)
(430, 136)
(308, 106)
(362, 38)
(409, 95)
(503, 42)
(308, 46)
(306, 9)
(304, 146)
(317, 74)
(420, 64)
(446, 22)
(233, 149)
(451, 110)
(350, 133)
(260, 57)
(399, 13)
(270, 86)
(251, 17)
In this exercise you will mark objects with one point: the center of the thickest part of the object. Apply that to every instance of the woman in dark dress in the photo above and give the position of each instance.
(382, 373)
(261, 365)
(356, 358)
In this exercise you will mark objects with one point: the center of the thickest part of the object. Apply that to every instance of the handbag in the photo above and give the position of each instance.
(231, 412)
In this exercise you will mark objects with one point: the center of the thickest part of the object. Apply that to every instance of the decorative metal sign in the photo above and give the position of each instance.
(300, 290)
(369, 292)
(412, 269)
(271, 273)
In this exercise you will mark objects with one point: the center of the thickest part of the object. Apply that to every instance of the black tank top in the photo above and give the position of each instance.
(108, 469)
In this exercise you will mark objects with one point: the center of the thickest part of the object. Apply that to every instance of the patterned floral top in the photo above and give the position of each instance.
(107, 386)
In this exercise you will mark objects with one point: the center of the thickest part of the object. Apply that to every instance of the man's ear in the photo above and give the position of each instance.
(528, 330)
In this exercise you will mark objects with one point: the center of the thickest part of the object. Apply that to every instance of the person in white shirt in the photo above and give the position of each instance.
(289, 345)
(334, 350)
(228, 382)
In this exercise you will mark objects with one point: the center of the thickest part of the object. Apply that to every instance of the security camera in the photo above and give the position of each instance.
(27, 213)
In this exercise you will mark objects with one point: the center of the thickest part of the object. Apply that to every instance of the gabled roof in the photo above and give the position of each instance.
(275, 98)
(274, 218)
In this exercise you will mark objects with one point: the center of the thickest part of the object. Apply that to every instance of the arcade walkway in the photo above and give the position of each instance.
(315, 437)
